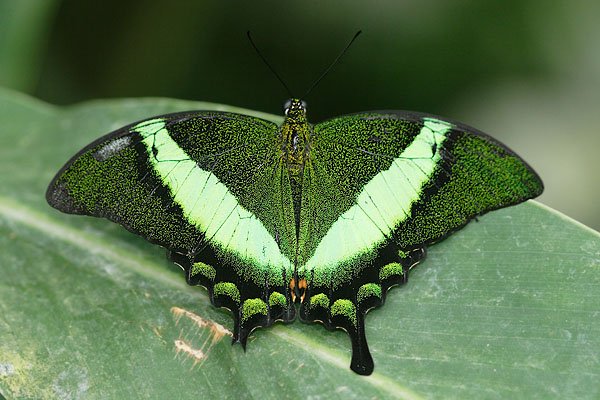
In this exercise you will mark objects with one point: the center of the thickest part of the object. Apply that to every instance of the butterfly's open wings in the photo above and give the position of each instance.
(208, 186)
(380, 186)
(215, 190)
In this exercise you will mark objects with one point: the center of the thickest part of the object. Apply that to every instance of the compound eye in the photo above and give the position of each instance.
(287, 105)
(303, 104)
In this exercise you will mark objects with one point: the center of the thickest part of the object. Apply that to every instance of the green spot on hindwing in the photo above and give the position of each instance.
(344, 308)
(227, 289)
(277, 299)
(319, 300)
(252, 307)
(403, 254)
(205, 270)
(367, 291)
(391, 270)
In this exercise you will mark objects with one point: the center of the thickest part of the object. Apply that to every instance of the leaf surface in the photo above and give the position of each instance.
(506, 307)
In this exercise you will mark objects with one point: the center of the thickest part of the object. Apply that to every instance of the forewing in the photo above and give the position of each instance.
(405, 178)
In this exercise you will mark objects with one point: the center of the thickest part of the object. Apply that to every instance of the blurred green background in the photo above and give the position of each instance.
(525, 71)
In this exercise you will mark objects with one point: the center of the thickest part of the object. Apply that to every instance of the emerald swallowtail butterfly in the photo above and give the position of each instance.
(267, 217)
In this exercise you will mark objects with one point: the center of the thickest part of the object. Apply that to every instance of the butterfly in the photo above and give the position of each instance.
(276, 221)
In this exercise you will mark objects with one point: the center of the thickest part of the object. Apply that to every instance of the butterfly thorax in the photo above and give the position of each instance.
(295, 135)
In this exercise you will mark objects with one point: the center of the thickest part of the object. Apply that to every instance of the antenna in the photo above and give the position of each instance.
(332, 64)
(269, 65)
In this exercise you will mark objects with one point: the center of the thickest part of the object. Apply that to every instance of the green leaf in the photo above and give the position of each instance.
(24, 31)
(506, 307)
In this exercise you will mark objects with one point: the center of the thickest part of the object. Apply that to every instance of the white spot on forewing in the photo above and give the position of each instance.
(112, 147)
(206, 201)
(384, 201)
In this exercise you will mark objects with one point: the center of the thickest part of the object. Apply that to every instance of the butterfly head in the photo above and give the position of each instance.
(295, 109)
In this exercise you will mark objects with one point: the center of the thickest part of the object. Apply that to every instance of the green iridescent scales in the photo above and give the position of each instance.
(266, 217)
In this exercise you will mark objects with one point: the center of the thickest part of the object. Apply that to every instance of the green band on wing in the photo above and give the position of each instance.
(384, 202)
(206, 202)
